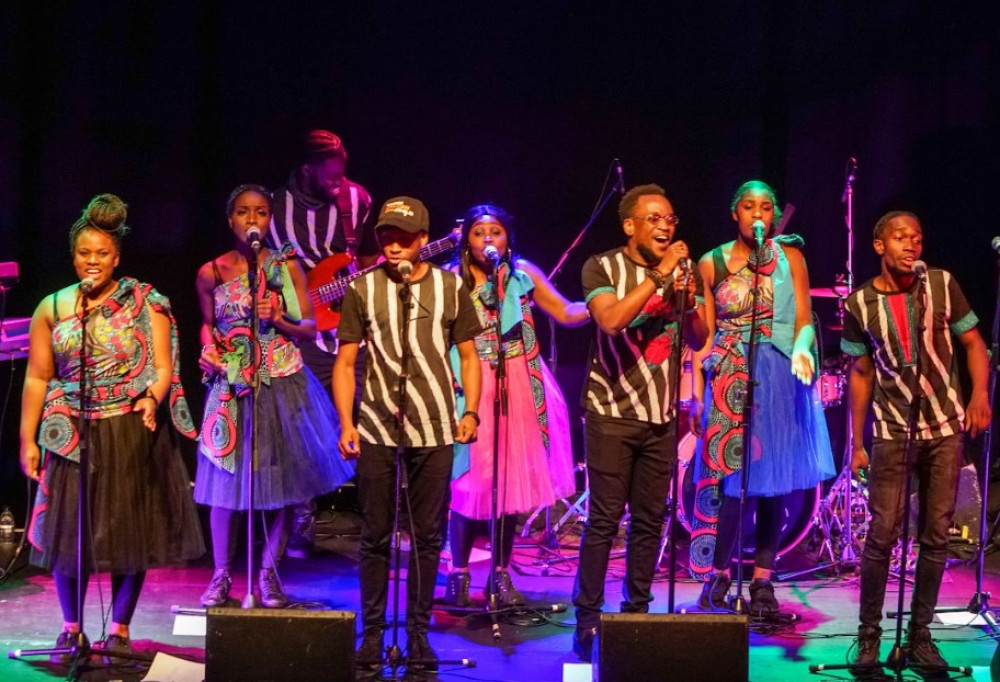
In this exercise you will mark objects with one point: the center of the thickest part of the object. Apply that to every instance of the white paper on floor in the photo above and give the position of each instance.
(577, 672)
(167, 668)
(961, 618)
(185, 624)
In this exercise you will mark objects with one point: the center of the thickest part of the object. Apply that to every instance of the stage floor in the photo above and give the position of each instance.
(826, 608)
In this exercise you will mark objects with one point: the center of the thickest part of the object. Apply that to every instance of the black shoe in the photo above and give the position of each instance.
(66, 640)
(866, 660)
(217, 592)
(271, 594)
(114, 647)
(419, 654)
(369, 655)
(921, 651)
(583, 643)
(457, 591)
(502, 585)
(714, 593)
(763, 603)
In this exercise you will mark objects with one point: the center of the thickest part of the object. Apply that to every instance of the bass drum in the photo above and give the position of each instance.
(800, 506)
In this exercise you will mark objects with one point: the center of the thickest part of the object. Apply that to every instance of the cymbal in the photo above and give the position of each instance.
(839, 291)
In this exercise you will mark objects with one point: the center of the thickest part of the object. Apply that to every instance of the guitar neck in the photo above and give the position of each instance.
(335, 290)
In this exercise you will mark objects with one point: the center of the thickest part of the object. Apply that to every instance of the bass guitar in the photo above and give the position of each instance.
(326, 289)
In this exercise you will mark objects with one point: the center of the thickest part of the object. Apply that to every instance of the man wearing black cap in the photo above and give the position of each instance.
(323, 215)
(437, 312)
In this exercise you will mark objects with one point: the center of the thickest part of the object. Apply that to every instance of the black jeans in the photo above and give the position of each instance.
(936, 469)
(629, 462)
(429, 490)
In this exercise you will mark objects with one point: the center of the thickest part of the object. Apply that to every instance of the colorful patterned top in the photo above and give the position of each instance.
(119, 366)
(281, 357)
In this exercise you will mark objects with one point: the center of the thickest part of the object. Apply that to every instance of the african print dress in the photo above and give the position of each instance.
(298, 429)
(791, 445)
(535, 449)
(142, 513)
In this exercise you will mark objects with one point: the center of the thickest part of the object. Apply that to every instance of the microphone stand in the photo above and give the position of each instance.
(736, 603)
(394, 655)
(550, 539)
(254, 277)
(80, 650)
(979, 604)
(500, 406)
(680, 300)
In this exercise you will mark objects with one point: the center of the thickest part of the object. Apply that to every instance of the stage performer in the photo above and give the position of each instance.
(629, 399)
(441, 315)
(297, 426)
(535, 451)
(324, 216)
(791, 446)
(880, 334)
(141, 511)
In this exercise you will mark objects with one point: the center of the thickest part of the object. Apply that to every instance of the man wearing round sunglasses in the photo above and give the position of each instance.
(629, 398)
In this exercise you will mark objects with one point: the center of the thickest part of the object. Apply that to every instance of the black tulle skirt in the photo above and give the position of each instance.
(142, 510)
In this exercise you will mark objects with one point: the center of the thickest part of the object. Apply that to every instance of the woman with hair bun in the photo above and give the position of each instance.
(141, 511)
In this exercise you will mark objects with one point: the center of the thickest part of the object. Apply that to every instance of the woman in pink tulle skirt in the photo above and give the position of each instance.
(535, 453)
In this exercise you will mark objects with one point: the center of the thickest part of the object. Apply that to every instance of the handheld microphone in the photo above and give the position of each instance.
(920, 268)
(684, 264)
(621, 176)
(87, 285)
(253, 236)
(405, 270)
(492, 254)
(758, 232)
(995, 244)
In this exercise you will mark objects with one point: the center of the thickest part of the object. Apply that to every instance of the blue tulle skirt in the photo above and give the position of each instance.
(297, 445)
(791, 448)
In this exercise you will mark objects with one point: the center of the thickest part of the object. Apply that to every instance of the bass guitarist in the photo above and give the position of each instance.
(323, 215)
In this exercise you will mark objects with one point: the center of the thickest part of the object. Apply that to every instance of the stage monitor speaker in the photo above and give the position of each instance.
(279, 645)
(665, 647)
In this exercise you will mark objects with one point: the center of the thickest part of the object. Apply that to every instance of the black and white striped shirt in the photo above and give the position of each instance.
(883, 325)
(629, 373)
(441, 315)
(315, 227)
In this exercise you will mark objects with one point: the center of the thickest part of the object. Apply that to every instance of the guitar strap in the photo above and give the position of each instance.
(347, 215)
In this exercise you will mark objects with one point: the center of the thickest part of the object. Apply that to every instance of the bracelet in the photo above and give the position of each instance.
(658, 277)
(470, 413)
(149, 394)
(289, 319)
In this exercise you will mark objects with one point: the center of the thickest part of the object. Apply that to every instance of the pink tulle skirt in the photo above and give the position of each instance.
(529, 477)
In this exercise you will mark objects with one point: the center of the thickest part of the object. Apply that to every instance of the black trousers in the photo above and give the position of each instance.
(936, 470)
(428, 472)
(628, 462)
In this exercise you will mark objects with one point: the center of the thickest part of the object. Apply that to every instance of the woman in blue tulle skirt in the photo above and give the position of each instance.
(790, 447)
(298, 429)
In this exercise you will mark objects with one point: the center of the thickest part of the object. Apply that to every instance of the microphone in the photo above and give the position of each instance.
(492, 254)
(253, 236)
(621, 176)
(920, 268)
(995, 244)
(405, 270)
(849, 173)
(758, 232)
(684, 264)
(87, 285)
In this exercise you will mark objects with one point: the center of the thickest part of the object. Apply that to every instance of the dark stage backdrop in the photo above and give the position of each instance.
(172, 104)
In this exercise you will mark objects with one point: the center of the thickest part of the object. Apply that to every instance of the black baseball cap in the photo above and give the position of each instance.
(406, 213)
